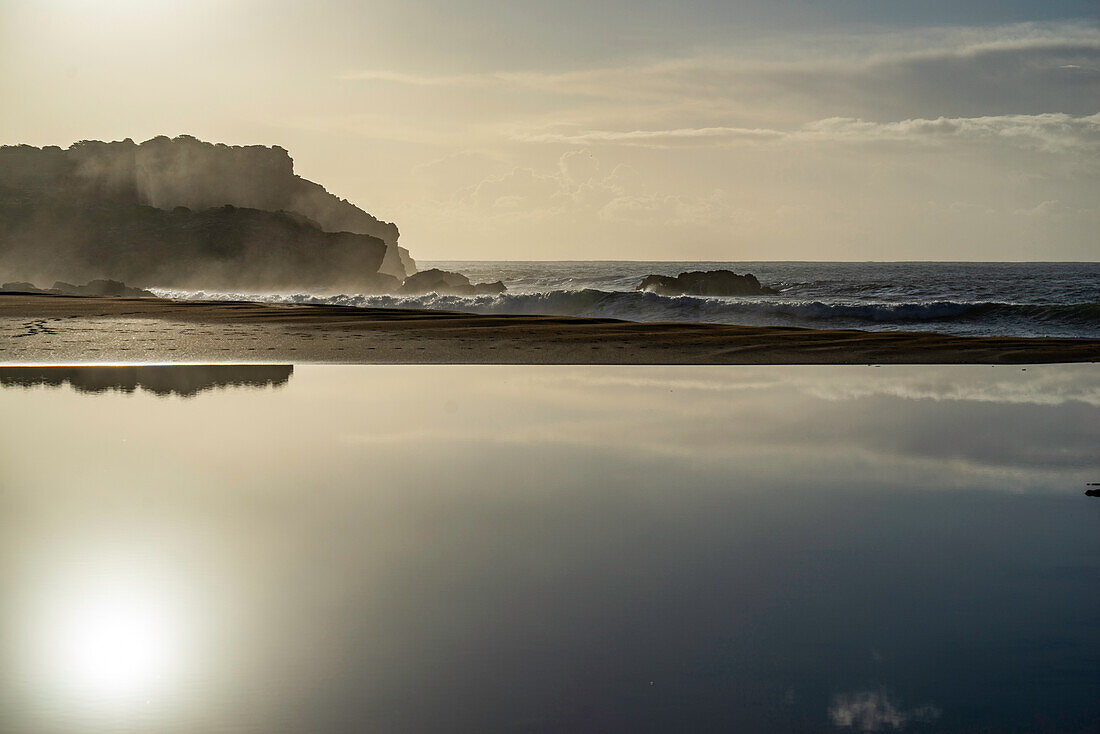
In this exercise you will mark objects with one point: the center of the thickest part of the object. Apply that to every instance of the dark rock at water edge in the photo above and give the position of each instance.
(709, 283)
(447, 283)
(20, 287)
(93, 288)
(114, 288)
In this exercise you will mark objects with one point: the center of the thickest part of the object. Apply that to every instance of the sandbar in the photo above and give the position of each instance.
(50, 329)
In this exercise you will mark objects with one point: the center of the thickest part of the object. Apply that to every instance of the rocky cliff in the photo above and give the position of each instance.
(220, 248)
(181, 211)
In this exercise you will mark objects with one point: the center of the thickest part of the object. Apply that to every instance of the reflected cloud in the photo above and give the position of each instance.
(1002, 384)
(874, 711)
(985, 427)
(163, 380)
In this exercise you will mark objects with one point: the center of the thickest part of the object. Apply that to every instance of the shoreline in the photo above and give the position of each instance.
(38, 329)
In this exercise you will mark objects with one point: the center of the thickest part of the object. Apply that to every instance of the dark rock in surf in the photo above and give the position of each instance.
(447, 283)
(709, 283)
(489, 289)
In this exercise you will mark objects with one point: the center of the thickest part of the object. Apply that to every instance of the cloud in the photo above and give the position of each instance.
(1017, 75)
(1052, 132)
(441, 177)
(873, 711)
(958, 72)
(1048, 208)
(1055, 132)
(654, 138)
(579, 167)
(916, 143)
(520, 188)
(579, 189)
(419, 80)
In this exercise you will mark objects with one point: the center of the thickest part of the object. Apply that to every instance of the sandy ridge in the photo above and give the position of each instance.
(37, 329)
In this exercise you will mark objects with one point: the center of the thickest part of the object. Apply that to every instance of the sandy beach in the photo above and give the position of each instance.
(43, 329)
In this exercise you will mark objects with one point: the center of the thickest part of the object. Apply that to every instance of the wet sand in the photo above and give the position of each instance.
(44, 329)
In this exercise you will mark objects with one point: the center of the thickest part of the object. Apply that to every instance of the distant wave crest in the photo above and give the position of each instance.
(644, 306)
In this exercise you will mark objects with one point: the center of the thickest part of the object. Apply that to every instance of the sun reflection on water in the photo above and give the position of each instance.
(114, 644)
(108, 640)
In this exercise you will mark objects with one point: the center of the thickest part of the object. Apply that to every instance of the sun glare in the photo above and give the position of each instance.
(115, 646)
(109, 643)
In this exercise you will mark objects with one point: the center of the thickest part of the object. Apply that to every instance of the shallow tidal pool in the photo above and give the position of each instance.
(533, 549)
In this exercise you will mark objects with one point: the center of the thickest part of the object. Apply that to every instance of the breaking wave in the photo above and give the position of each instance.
(982, 317)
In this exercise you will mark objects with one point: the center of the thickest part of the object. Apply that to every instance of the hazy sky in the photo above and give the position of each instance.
(699, 129)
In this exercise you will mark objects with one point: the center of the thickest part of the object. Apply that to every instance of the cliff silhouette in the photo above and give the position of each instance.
(185, 213)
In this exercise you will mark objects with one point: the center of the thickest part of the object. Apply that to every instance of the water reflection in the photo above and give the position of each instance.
(163, 380)
(547, 549)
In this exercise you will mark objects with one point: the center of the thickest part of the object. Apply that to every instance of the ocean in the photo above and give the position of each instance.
(974, 299)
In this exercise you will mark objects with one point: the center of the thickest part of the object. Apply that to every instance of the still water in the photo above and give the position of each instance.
(481, 549)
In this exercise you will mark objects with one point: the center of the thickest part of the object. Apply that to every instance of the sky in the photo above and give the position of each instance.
(626, 130)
